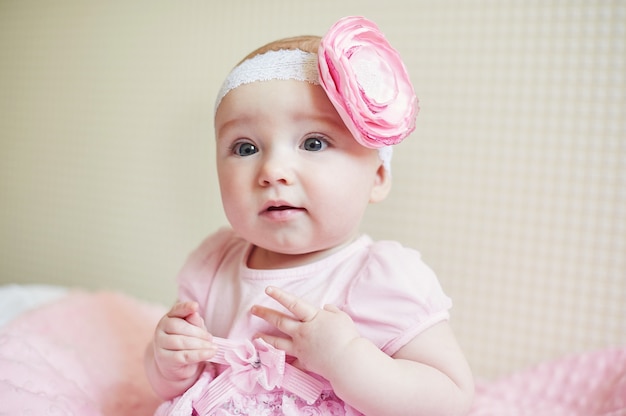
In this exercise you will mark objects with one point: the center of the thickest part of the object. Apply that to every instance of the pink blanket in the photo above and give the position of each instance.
(589, 384)
(78, 356)
(82, 355)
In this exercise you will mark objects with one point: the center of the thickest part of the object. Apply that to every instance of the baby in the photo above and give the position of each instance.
(292, 310)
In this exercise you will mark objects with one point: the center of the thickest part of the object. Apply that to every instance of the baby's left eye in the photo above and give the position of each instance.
(314, 144)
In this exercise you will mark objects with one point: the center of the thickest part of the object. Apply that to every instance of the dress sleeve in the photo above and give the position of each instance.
(196, 277)
(395, 297)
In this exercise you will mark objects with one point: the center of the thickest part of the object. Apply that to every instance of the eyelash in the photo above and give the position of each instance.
(236, 146)
(322, 140)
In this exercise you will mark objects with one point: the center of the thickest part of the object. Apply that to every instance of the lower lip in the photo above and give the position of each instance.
(282, 214)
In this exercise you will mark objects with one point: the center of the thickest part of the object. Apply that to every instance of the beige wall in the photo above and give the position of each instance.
(513, 186)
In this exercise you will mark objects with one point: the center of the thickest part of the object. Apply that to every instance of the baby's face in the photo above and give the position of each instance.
(293, 180)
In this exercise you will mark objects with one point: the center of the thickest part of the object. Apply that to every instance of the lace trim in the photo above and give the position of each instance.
(283, 64)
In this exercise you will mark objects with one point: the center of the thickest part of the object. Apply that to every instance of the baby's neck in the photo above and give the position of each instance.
(262, 259)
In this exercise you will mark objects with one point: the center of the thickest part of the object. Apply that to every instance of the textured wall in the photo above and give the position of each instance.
(513, 186)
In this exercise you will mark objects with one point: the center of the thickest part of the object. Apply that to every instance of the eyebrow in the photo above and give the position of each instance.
(328, 119)
(323, 118)
(228, 125)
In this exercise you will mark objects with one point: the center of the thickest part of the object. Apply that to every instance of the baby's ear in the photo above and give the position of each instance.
(382, 184)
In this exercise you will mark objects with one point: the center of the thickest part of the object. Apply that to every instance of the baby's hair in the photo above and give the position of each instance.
(306, 43)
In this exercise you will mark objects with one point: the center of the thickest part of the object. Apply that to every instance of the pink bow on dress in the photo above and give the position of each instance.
(254, 364)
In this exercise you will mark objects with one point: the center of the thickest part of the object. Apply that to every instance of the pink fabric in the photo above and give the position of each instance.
(273, 403)
(254, 364)
(82, 355)
(254, 368)
(389, 292)
(367, 82)
(589, 384)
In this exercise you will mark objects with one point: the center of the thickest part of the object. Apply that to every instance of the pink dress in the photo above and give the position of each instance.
(386, 288)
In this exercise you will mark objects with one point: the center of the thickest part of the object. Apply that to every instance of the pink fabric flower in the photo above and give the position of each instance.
(254, 363)
(367, 82)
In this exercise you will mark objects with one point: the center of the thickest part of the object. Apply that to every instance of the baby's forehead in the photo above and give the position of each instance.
(267, 98)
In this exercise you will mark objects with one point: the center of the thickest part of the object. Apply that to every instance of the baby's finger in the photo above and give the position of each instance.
(195, 319)
(185, 357)
(183, 309)
(302, 310)
(273, 317)
(178, 326)
(181, 342)
(280, 343)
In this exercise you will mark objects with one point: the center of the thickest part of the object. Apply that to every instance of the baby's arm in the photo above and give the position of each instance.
(177, 354)
(429, 375)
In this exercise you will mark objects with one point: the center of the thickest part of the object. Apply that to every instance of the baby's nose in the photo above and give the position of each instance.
(276, 169)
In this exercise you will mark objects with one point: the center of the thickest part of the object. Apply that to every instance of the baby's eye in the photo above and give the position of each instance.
(314, 144)
(244, 149)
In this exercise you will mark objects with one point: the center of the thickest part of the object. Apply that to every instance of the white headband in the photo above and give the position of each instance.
(284, 64)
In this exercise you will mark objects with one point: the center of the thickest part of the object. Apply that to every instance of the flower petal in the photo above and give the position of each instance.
(367, 82)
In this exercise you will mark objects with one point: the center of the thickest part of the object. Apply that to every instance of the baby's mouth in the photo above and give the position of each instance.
(281, 212)
(280, 208)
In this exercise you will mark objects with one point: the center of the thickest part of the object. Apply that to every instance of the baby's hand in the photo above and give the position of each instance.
(314, 336)
(182, 343)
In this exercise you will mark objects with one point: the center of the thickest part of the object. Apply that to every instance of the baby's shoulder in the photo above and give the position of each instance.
(394, 267)
(216, 251)
(393, 256)
(222, 241)
(395, 296)
(213, 251)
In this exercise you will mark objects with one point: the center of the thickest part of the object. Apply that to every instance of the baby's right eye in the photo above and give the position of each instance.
(244, 149)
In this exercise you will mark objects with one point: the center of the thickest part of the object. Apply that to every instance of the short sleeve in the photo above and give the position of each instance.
(395, 297)
(196, 277)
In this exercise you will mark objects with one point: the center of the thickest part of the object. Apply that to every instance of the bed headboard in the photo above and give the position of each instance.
(513, 186)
